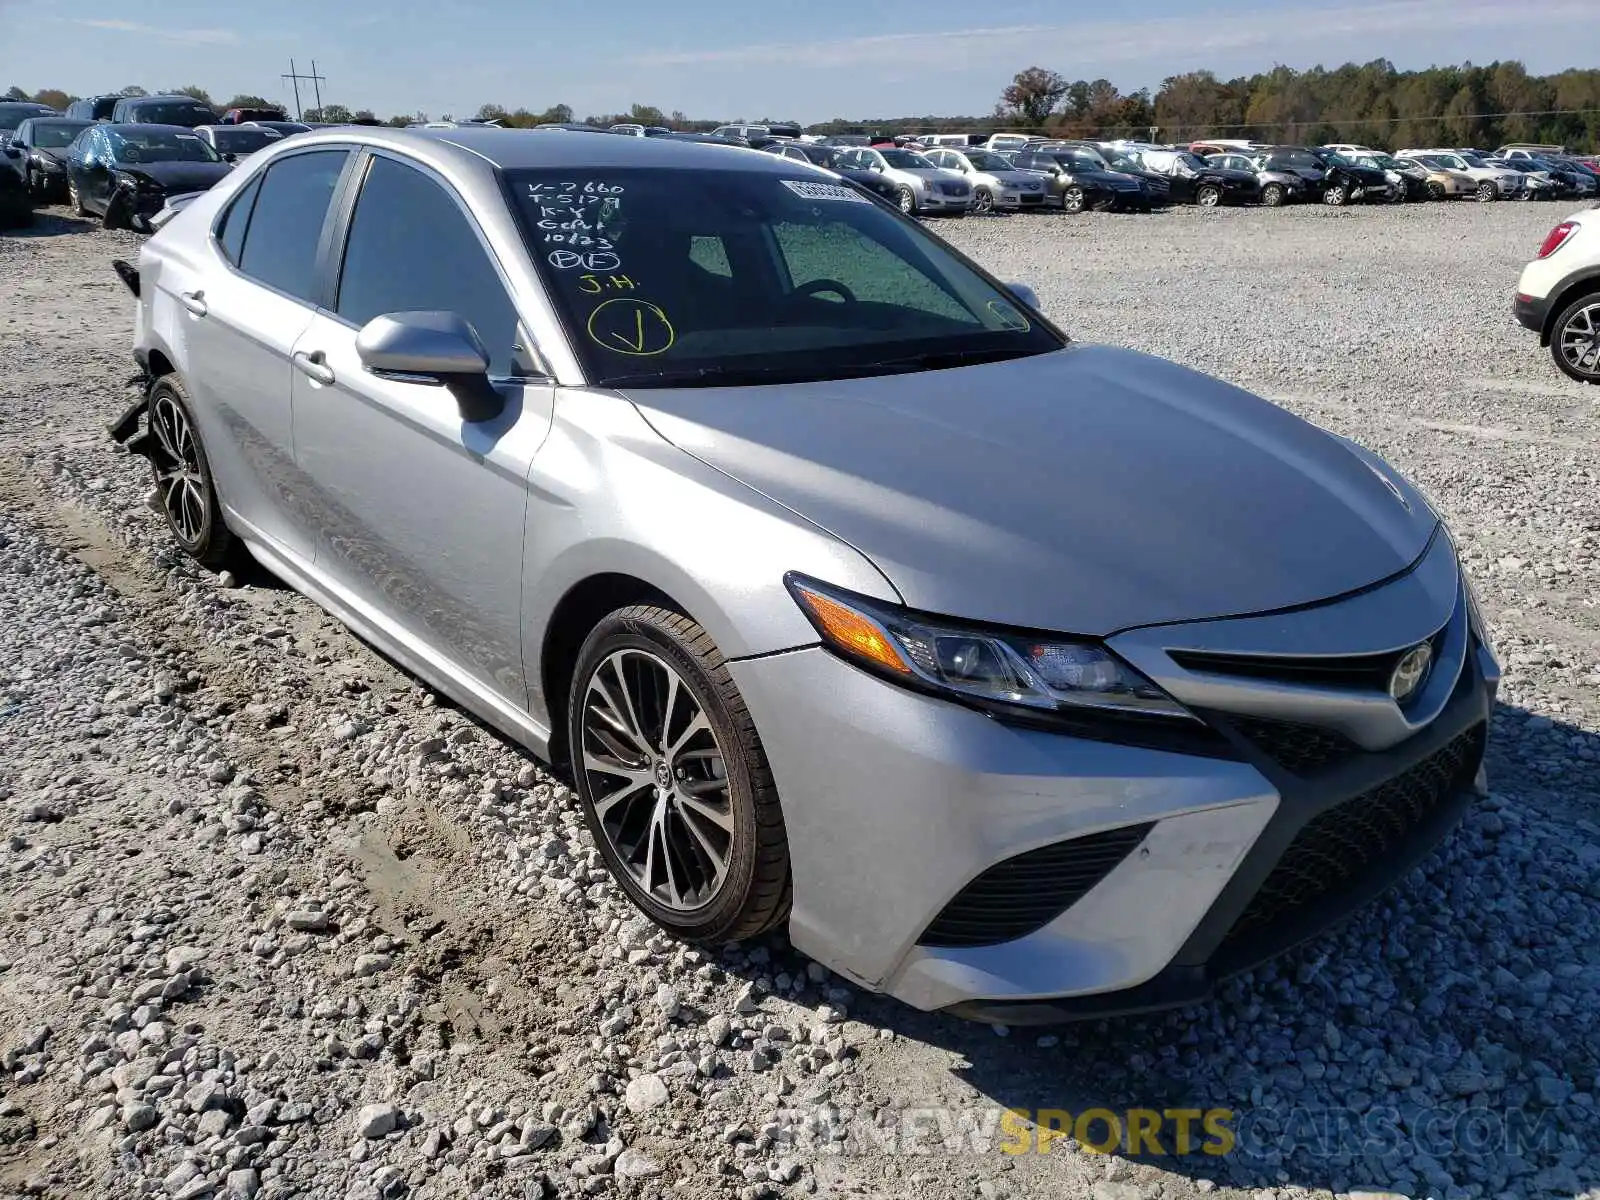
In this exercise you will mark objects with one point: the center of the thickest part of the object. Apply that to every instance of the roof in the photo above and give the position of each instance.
(521, 149)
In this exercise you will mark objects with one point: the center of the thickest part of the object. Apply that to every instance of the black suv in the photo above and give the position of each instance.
(1078, 180)
(162, 110)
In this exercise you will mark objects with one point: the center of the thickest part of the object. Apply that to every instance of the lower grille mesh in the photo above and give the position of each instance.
(1341, 843)
(1014, 898)
(1303, 749)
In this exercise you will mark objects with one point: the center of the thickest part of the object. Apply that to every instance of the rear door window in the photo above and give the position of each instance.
(280, 245)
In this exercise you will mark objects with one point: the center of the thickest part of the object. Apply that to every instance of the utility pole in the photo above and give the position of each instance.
(316, 81)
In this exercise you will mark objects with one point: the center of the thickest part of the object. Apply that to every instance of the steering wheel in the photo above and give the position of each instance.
(813, 286)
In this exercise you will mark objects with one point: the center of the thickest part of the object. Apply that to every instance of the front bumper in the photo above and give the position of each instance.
(1018, 200)
(931, 201)
(900, 809)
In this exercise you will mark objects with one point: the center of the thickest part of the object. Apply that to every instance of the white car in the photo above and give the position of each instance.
(920, 187)
(1350, 149)
(1494, 183)
(995, 182)
(1558, 296)
(234, 142)
(1005, 142)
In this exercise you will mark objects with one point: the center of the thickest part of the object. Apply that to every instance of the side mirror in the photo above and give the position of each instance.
(435, 349)
(1024, 293)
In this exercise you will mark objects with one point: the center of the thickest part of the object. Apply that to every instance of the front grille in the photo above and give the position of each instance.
(1358, 835)
(1303, 750)
(1020, 895)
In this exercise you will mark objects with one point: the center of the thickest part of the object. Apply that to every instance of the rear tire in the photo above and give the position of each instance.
(1208, 196)
(645, 678)
(1575, 339)
(185, 489)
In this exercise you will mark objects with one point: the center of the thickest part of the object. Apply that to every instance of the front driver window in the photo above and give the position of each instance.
(412, 248)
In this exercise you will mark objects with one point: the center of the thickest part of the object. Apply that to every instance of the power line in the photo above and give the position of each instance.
(314, 79)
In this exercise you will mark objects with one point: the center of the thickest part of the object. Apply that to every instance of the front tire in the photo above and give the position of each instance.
(1273, 195)
(1337, 196)
(1575, 339)
(983, 201)
(1073, 200)
(673, 779)
(1487, 191)
(907, 201)
(185, 490)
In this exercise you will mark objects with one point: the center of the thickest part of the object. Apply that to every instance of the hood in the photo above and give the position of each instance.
(179, 176)
(1117, 181)
(57, 156)
(1083, 491)
(933, 174)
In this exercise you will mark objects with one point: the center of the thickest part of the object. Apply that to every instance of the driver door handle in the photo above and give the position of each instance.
(314, 366)
(195, 302)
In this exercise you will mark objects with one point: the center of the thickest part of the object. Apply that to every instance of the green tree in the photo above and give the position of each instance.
(54, 97)
(329, 114)
(15, 93)
(194, 91)
(243, 101)
(1033, 94)
(133, 89)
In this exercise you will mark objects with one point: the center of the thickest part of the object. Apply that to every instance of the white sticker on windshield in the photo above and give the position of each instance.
(809, 190)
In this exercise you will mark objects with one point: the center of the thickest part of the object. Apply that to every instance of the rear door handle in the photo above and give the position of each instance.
(314, 366)
(195, 302)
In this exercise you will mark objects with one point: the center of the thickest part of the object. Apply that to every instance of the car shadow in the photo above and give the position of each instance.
(1456, 1049)
(54, 222)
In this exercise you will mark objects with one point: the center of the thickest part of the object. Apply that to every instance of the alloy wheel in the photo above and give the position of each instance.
(1208, 197)
(1072, 200)
(181, 481)
(984, 202)
(1487, 191)
(1578, 341)
(908, 201)
(658, 779)
(1272, 196)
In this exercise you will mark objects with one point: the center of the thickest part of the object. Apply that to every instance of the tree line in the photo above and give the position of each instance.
(1370, 103)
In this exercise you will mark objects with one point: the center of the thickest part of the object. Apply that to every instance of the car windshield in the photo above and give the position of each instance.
(130, 144)
(177, 113)
(720, 277)
(906, 160)
(987, 160)
(54, 137)
(243, 141)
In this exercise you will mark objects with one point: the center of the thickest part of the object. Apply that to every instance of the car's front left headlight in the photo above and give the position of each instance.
(988, 668)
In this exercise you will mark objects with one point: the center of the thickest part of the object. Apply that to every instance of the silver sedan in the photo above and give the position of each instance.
(1016, 677)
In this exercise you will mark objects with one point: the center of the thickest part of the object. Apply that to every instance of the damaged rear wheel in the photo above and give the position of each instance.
(185, 491)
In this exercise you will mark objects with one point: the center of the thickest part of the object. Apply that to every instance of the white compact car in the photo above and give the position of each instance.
(995, 182)
(1558, 296)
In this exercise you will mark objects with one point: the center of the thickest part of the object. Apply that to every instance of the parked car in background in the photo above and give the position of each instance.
(1566, 180)
(919, 702)
(1494, 183)
(1004, 142)
(827, 157)
(920, 187)
(954, 141)
(742, 131)
(844, 139)
(1107, 156)
(162, 110)
(93, 108)
(286, 128)
(245, 116)
(1347, 181)
(1192, 180)
(1558, 295)
(1078, 180)
(996, 183)
(124, 173)
(15, 112)
(1222, 146)
(16, 205)
(1539, 182)
(38, 152)
(233, 142)
(1277, 187)
(1407, 178)
(1349, 149)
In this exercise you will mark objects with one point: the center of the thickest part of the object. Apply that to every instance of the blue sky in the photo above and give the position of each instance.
(724, 60)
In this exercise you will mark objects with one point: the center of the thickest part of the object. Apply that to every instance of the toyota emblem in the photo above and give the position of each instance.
(1410, 672)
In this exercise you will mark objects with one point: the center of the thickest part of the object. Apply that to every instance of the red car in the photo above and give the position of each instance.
(238, 116)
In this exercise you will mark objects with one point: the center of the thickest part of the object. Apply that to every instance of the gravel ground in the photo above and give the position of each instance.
(277, 921)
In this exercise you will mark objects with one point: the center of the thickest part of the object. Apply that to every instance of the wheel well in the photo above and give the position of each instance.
(579, 611)
(1559, 305)
(159, 364)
